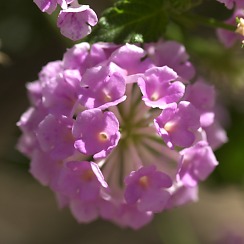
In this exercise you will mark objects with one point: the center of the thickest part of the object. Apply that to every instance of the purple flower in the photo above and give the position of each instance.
(202, 96)
(146, 184)
(75, 23)
(130, 216)
(45, 169)
(131, 58)
(83, 212)
(34, 92)
(157, 89)
(183, 195)
(103, 86)
(197, 163)
(216, 135)
(178, 124)
(60, 94)
(55, 136)
(172, 54)
(98, 124)
(28, 123)
(81, 180)
(74, 20)
(75, 57)
(96, 132)
(50, 71)
(50, 5)
(82, 56)
(46, 5)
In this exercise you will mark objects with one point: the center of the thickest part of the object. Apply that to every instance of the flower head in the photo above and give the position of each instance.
(112, 132)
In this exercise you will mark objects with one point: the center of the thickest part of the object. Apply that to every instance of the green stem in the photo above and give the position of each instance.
(193, 19)
(211, 22)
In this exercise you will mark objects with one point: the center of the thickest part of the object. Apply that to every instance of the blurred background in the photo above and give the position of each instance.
(28, 211)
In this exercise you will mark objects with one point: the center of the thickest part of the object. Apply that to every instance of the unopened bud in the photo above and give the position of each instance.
(240, 26)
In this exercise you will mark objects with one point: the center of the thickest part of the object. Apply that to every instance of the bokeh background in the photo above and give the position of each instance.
(28, 211)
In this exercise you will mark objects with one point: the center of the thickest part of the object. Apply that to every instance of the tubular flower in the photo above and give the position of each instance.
(75, 23)
(113, 133)
(74, 20)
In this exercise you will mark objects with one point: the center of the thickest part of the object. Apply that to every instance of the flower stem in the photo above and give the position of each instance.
(191, 19)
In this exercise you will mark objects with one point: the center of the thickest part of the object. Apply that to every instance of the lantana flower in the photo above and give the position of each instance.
(118, 133)
(74, 20)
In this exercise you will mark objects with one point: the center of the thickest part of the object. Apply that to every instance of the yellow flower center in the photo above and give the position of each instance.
(240, 27)
(155, 96)
(107, 97)
(144, 181)
(102, 136)
(169, 126)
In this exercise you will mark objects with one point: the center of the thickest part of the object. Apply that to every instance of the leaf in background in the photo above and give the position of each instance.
(132, 21)
(231, 155)
(183, 5)
(138, 21)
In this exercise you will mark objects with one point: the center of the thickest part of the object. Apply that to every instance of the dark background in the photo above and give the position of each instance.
(28, 211)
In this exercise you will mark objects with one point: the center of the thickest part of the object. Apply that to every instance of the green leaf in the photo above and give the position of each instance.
(183, 5)
(138, 21)
(134, 21)
(230, 156)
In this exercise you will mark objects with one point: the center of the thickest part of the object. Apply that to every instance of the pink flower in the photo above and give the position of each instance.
(75, 23)
(146, 184)
(159, 87)
(198, 162)
(130, 216)
(74, 20)
(178, 124)
(103, 132)
(103, 86)
(50, 5)
(202, 96)
(104, 129)
(81, 180)
(174, 55)
(55, 136)
(131, 59)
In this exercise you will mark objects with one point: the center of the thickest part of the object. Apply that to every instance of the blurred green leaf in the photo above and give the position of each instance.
(231, 155)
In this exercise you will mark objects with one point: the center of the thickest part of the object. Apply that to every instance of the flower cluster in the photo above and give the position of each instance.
(74, 20)
(228, 38)
(119, 132)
